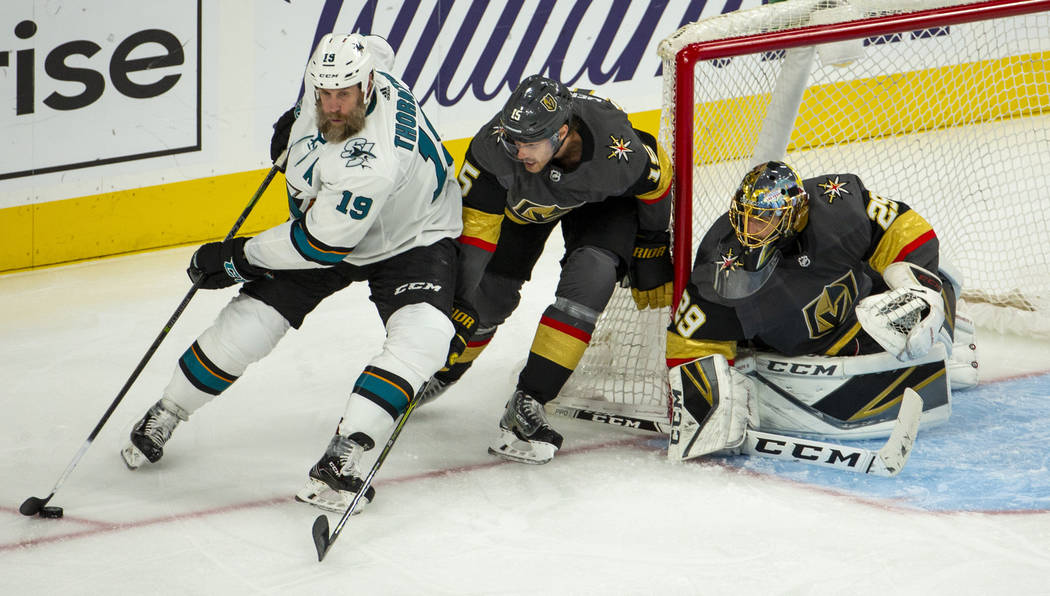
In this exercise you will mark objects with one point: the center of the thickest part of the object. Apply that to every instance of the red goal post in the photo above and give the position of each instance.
(942, 104)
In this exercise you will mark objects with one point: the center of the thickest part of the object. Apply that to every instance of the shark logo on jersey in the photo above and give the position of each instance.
(833, 189)
(357, 152)
(620, 149)
(834, 304)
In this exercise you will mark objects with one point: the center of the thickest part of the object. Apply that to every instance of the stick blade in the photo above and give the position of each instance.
(321, 538)
(894, 454)
(33, 505)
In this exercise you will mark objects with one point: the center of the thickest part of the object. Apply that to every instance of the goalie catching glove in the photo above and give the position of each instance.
(221, 264)
(909, 318)
(651, 271)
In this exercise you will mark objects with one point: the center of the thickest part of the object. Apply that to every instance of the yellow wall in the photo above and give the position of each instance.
(155, 217)
(134, 220)
(997, 89)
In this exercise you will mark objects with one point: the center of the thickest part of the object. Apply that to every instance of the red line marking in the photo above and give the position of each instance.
(101, 527)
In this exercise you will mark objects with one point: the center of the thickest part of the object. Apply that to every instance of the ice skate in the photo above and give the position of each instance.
(525, 435)
(334, 480)
(151, 433)
(435, 388)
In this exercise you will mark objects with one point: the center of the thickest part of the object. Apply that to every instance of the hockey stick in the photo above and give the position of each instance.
(33, 505)
(888, 460)
(615, 419)
(322, 539)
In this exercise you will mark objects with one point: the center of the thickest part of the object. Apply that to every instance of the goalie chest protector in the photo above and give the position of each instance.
(809, 300)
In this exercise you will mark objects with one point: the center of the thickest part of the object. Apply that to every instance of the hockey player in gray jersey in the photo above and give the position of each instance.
(373, 197)
(811, 306)
(554, 156)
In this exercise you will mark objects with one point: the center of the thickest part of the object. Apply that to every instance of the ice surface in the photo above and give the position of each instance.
(610, 515)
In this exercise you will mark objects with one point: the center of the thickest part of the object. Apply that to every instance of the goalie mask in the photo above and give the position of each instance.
(769, 205)
(535, 112)
(342, 61)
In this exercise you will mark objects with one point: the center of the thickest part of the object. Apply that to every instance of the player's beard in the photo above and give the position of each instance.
(351, 124)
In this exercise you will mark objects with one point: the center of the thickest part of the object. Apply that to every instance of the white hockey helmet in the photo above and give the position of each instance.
(341, 61)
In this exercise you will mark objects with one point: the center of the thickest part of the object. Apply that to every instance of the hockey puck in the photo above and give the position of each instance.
(51, 512)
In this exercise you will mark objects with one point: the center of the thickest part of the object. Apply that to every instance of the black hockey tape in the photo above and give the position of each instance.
(51, 512)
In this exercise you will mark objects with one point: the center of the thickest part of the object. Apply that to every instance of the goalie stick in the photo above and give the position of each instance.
(887, 461)
(615, 419)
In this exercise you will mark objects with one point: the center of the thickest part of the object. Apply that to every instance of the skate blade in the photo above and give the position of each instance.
(320, 495)
(133, 458)
(525, 452)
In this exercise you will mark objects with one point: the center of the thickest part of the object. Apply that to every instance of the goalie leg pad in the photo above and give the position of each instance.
(962, 365)
(843, 397)
(713, 405)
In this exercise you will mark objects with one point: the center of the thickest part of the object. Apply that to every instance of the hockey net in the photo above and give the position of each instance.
(942, 104)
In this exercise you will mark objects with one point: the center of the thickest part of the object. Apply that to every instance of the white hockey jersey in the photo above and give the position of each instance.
(390, 188)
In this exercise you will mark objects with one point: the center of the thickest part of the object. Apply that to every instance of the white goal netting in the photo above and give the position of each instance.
(942, 104)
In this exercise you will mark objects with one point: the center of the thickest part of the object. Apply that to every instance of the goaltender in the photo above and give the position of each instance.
(811, 306)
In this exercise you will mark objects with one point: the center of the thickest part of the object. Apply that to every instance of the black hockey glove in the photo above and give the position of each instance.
(222, 264)
(465, 321)
(651, 271)
(279, 141)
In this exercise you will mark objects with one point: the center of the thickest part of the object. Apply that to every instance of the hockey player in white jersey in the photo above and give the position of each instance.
(373, 197)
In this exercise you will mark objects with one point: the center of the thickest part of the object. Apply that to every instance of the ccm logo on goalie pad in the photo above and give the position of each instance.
(676, 417)
(804, 451)
(801, 369)
(417, 285)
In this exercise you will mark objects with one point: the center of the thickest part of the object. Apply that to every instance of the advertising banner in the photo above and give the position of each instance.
(86, 83)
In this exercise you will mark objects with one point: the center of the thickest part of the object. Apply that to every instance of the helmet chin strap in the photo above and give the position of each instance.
(561, 142)
(371, 89)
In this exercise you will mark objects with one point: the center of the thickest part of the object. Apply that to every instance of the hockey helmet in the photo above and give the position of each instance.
(535, 111)
(341, 61)
(770, 205)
